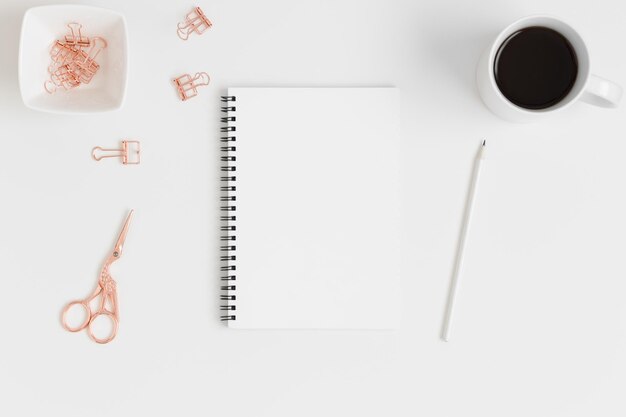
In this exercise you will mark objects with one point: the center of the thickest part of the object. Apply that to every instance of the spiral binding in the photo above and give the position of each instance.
(228, 208)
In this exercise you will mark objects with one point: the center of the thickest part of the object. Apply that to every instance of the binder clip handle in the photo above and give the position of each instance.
(202, 78)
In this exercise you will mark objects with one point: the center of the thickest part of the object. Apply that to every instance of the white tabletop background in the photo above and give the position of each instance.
(541, 320)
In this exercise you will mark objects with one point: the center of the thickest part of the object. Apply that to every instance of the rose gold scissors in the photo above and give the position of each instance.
(107, 305)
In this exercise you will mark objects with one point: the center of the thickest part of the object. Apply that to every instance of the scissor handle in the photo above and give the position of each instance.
(113, 333)
(88, 317)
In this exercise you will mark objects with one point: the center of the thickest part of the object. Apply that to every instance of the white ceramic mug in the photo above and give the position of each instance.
(587, 87)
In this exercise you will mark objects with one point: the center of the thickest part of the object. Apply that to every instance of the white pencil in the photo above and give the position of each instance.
(467, 220)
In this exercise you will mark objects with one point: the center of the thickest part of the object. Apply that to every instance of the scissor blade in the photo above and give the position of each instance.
(120, 240)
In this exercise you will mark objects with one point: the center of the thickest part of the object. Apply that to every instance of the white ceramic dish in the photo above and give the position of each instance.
(41, 27)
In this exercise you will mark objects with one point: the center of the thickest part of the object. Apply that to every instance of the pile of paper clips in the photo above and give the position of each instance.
(73, 59)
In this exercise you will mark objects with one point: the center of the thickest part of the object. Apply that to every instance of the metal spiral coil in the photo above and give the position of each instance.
(228, 199)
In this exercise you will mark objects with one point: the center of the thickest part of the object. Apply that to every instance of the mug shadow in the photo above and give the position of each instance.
(458, 54)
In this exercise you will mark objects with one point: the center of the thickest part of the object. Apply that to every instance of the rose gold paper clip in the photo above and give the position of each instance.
(62, 77)
(107, 290)
(85, 65)
(195, 21)
(61, 54)
(75, 37)
(187, 85)
(124, 153)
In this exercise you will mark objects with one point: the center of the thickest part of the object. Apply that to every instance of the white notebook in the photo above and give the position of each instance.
(310, 208)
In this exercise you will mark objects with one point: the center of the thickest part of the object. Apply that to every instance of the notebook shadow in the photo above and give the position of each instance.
(456, 54)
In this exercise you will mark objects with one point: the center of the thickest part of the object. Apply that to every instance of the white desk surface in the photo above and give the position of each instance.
(541, 321)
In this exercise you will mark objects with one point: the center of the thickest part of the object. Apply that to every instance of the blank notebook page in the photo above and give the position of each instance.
(317, 208)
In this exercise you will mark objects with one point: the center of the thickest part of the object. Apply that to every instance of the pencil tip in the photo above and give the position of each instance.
(484, 142)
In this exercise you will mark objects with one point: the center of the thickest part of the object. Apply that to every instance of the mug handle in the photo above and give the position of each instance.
(602, 92)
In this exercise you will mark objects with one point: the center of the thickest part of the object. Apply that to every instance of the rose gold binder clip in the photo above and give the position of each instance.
(76, 38)
(62, 76)
(187, 85)
(61, 53)
(85, 64)
(129, 153)
(195, 21)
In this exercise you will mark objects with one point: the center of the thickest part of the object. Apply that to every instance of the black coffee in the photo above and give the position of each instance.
(535, 67)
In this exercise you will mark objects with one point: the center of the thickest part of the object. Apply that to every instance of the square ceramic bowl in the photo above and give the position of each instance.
(41, 27)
